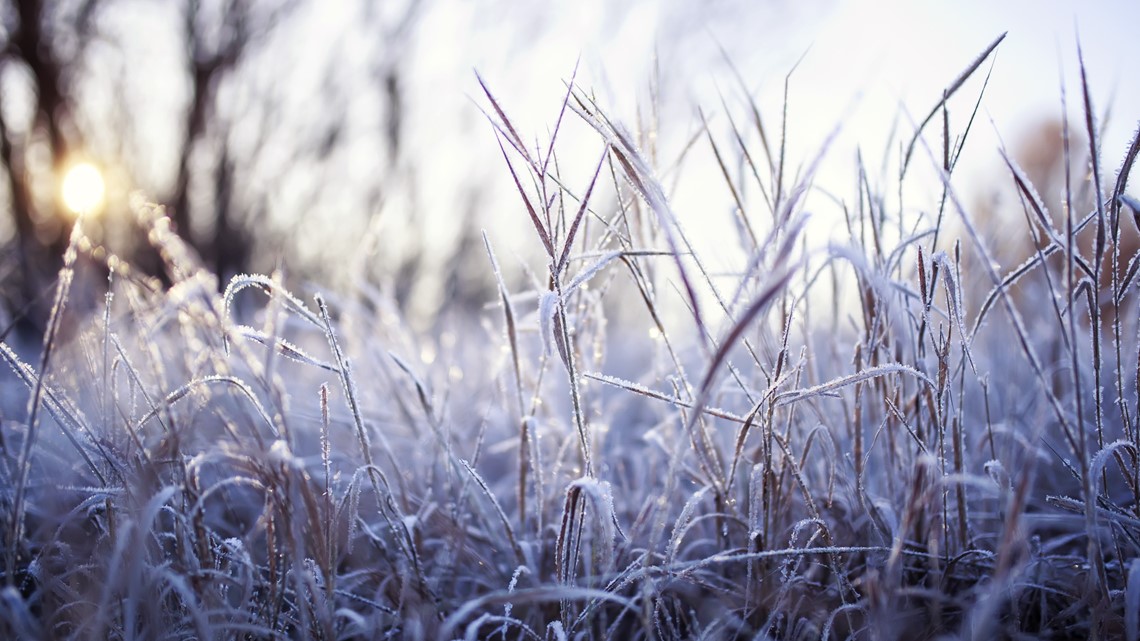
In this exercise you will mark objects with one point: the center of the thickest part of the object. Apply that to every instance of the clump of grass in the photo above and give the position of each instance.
(927, 461)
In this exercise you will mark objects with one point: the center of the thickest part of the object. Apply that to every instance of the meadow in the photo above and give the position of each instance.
(890, 437)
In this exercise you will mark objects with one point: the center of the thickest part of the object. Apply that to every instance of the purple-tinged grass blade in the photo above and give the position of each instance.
(581, 213)
(538, 226)
(946, 94)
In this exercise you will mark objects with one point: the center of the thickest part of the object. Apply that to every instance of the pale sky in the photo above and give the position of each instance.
(862, 61)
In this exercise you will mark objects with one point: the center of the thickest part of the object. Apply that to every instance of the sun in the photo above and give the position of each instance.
(83, 190)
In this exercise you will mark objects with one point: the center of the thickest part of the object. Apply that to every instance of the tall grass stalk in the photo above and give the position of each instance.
(888, 436)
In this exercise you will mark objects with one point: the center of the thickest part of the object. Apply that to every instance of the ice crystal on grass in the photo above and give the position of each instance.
(673, 454)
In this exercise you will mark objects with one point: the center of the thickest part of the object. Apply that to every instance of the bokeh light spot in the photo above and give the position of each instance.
(83, 189)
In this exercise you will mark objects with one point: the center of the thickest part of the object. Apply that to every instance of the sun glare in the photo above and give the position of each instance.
(83, 189)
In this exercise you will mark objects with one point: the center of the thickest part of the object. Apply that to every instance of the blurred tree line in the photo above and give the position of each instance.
(212, 132)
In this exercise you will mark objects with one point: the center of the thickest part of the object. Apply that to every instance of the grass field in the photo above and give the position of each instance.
(892, 437)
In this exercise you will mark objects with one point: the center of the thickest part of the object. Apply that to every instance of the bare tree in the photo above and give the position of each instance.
(42, 43)
(238, 143)
(32, 30)
(218, 36)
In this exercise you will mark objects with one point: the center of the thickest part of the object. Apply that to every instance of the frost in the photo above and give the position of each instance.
(212, 477)
(519, 571)
(605, 519)
(235, 545)
(682, 524)
(281, 456)
(651, 393)
(555, 628)
(547, 304)
(35, 568)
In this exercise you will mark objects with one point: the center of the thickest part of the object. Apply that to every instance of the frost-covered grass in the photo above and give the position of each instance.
(890, 438)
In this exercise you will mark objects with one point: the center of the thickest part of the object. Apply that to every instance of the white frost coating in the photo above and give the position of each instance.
(589, 272)
(547, 304)
(410, 522)
(681, 525)
(997, 472)
(844, 381)
(788, 566)
(954, 288)
(651, 393)
(280, 454)
(556, 628)
(314, 571)
(235, 545)
(519, 571)
(1096, 468)
(35, 569)
(601, 495)
(284, 347)
(271, 288)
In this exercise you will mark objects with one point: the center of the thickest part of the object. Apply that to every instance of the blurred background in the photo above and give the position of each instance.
(344, 141)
